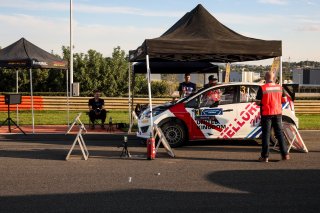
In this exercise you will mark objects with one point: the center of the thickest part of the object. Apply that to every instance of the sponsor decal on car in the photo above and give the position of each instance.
(199, 113)
(206, 118)
(251, 115)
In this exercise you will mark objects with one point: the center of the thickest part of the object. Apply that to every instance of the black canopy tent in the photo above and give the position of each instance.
(24, 54)
(198, 36)
(176, 67)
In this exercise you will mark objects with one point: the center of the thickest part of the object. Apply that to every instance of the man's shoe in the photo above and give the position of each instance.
(286, 157)
(262, 159)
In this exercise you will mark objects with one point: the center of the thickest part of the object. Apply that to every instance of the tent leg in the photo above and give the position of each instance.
(132, 82)
(17, 91)
(68, 103)
(149, 92)
(129, 98)
(31, 92)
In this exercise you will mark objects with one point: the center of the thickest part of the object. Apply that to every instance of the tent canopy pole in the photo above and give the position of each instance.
(17, 91)
(149, 92)
(68, 102)
(129, 97)
(31, 93)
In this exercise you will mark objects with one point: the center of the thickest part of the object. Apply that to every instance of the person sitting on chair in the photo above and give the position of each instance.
(96, 109)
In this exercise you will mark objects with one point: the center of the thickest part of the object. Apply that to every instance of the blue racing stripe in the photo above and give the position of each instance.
(254, 132)
(257, 133)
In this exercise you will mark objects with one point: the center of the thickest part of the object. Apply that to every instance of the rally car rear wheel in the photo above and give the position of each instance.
(175, 133)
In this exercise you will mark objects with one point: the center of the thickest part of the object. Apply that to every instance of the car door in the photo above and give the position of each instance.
(213, 110)
(247, 123)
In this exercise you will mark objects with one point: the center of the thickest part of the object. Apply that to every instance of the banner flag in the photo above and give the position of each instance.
(227, 77)
(275, 66)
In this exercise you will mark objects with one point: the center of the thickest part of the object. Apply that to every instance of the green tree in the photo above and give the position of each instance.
(141, 85)
(7, 80)
(116, 76)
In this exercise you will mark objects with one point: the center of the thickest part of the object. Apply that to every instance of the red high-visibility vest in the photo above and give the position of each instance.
(271, 99)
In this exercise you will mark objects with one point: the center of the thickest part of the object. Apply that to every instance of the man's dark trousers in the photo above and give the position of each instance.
(93, 116)
(267, 122)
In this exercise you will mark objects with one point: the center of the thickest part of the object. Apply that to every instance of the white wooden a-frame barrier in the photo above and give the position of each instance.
(163, 140)
(294, 139)
(78, 122)
(79, 139)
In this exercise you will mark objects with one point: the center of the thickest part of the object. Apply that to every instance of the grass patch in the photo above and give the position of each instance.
(306, 121)
(309, 121)
(60, 117)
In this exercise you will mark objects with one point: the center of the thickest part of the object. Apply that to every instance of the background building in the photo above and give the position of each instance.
(306, 76)
(240, 76)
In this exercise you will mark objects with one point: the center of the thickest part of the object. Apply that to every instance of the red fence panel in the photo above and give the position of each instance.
(25, 103)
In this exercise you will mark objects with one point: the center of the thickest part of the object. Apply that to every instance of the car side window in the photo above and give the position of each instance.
(248, 93)
(194, 103)
(228, 95)
(210, 98)
(218, 96)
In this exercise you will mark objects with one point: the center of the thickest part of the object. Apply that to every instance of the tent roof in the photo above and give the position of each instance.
(198, 36)
(176, 67)
(24, 54)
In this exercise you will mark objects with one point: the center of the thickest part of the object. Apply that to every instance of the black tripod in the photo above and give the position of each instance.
(9, 120)
(125, 152)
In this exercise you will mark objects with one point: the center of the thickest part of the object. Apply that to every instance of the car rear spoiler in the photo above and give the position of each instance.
(291, 89)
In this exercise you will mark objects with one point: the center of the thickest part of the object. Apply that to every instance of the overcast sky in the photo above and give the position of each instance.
(104, 24)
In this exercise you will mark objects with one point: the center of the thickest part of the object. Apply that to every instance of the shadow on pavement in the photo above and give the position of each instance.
(60, 139)
(260, 191)
(216, 159)
(222, 148)
(60, 154)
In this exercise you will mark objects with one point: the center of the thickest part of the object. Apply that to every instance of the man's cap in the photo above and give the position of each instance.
(212, 78)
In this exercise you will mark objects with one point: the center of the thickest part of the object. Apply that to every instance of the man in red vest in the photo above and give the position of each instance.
(271, 96)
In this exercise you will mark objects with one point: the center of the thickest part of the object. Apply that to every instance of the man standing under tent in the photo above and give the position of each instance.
(270, 96)
(187, 87)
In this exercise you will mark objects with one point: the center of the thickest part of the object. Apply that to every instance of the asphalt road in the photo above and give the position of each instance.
(204, 177)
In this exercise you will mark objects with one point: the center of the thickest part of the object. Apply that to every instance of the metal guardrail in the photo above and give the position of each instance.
(307, 106)
(81, 103)
(112, 103)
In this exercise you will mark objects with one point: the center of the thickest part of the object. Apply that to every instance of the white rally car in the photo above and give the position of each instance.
(200, 116)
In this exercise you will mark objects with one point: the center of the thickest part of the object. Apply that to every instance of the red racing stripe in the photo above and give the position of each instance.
(181, 113)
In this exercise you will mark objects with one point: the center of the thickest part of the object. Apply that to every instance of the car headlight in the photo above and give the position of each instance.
(156, 112)
(146, 114)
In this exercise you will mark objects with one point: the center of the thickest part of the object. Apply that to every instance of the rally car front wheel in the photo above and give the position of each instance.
(175, 133)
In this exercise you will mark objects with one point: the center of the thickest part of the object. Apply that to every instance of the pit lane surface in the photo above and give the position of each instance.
(204, 177)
